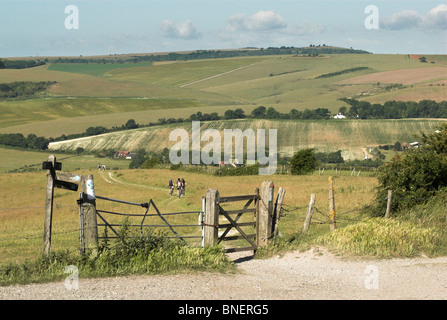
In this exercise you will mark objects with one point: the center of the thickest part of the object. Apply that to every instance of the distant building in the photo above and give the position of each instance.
(122, 154)
(339, 116)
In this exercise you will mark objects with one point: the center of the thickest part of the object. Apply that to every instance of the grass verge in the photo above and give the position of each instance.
(136, 256)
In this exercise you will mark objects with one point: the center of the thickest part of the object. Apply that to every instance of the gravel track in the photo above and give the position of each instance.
(314, 274)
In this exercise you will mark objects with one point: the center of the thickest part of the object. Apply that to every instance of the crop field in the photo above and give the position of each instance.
(213, 85)
(97, 69)
(350, 136)
(32, 111)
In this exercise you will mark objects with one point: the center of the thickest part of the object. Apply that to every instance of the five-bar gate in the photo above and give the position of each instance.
(249, 211)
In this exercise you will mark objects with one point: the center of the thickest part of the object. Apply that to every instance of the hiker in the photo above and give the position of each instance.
(171, 187)
(179, 187)
(183, 186)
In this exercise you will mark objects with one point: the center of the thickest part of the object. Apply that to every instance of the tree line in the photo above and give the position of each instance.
(312, 50)
(23, 88)
(20, 64)
(18, 140)
(394, 109)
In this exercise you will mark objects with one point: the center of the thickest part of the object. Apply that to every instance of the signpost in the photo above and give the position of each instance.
(55, 179)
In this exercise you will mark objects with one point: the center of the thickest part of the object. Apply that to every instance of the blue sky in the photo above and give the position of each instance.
(38, 28)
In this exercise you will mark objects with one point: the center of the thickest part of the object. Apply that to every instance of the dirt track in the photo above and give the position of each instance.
(315, 274)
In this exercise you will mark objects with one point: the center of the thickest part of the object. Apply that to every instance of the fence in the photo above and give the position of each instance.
(331, 216)
(263, 221)
(147, 206)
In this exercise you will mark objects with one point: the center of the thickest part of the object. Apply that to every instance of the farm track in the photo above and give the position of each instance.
(314, 274)
(217, 75)
(111, 179)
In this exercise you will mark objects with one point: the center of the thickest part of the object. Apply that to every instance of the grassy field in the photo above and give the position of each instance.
(19, 160)
(350, 136)
(97, 69)
(103, 91)
(77, 111)
(22, 217)
(108, 95)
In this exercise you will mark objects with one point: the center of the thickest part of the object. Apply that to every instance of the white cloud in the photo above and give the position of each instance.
(436, 18)
(184, 30)
(260, 21)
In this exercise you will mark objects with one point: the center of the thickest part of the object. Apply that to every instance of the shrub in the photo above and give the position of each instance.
(303, 162)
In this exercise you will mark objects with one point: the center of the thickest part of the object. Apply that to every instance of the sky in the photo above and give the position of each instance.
(105, 27)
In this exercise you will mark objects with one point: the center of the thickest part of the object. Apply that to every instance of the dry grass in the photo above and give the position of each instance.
(22, 198)
(404, 76)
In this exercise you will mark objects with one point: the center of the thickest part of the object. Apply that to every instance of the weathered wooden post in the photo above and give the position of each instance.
(48, 220)
(89, 211)
(310, 212)
(277, 212)
(211, 218)
(264, 227)
(331, 205)
(388, 204)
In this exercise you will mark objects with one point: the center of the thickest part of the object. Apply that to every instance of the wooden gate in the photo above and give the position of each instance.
(260, 212)
(250, 209)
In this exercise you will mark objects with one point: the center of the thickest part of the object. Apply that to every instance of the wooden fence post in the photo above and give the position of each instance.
(264, 227)
(48, 220)
(331, 204)
(211, 218)
(310, 212)
(89, 210)
(388, 204)
(278, 207)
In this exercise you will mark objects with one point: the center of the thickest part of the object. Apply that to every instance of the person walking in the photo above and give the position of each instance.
(179, 188)
(183, 186)
(171, 187)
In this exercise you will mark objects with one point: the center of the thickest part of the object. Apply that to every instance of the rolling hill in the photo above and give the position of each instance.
(349, 136)
(170, 88)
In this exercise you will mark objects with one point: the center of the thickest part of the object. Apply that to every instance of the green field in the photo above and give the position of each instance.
(19, 160)
(102, 91)
(97, 69)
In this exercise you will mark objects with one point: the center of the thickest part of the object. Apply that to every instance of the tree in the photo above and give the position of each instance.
(239, 113)
(2, 65)
(415, 176)
(303, 162)
(259, 112)
(272, 113)
(138, 159)
(229, 114)
(335, 157)
(150, 163)
(342, 110)
(131, 124)
(397, 146)
(295, 114)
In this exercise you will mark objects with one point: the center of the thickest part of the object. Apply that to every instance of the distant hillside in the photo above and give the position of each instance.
(210, 54)
(349, 136)
(98, 94)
